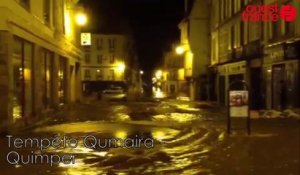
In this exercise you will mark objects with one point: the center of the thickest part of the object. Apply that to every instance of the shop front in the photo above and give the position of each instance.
(281, 75)
(226, 75)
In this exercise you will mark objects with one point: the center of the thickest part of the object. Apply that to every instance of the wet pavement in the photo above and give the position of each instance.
(156, 138)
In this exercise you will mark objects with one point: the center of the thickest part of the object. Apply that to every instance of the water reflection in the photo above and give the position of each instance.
(178, 151)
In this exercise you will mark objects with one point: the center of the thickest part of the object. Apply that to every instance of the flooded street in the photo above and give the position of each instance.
(182, 139)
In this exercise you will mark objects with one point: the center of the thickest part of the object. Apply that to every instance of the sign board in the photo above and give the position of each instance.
(238, 103)
(86, 39)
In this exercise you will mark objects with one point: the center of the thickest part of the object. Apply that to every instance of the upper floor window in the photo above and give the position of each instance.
(47, 12)
(112, 44)
(87, 48)
(100, 59)
(274, 30)
(99, 74)
(87, 74)
(112, 59)
(25, 4)
(288, 27)
(111, 75)
(99, 44)
(87, 58)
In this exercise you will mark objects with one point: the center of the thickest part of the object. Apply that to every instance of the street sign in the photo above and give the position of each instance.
(238, 104)
(86, 39)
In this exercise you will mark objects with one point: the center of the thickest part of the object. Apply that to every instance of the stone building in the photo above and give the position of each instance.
(263, 54)
(110, 60)
(39, 58)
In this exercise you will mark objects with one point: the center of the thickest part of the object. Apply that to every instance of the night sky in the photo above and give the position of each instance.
(153, 23)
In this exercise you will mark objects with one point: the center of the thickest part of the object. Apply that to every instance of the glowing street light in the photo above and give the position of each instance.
(121, 67)
(179, 50)
(158, 74)
(142, 72)
(81, 19)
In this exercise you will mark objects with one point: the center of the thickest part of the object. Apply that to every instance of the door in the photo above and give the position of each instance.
(222, 90)
(256, 88)
(278, 90)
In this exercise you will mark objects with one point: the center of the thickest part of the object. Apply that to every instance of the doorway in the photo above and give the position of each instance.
(278, 78)
(256, 102)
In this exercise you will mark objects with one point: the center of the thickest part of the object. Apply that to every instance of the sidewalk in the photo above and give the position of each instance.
(254, 114)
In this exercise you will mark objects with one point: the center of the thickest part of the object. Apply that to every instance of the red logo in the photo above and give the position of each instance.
(269, 13)
(288, 13)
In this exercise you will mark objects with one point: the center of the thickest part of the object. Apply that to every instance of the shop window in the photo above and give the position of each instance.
(47, 79)
(62, 85)
(22, 79)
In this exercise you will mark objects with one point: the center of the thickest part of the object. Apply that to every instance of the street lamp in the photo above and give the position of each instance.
(81, 19)
(158, 74)
(121, 67)
(179, 50)
(142, 72)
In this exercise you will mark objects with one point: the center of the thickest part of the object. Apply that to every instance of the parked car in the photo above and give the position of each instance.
(114, 93)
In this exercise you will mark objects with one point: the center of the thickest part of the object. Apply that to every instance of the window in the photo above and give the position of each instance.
(100, 59)
(87, 58)
(62, 17)
(47, 11)
(87, 48)
(111, 75)
(233, 35)
(245, 32)
(274, 30)
(241, 34)
(99, 43)
(99, 74)
(25, 4)
(112, 44)
(112, 59)
(87, 74)
(288, 27)
(22, 78)
(62, 82)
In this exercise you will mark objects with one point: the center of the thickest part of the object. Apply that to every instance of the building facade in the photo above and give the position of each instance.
(39, 58)
(110, 60)
(263, 54)
(195, 44)
(174, 83)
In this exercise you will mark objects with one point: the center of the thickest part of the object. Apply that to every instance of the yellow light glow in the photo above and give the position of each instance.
(121, 67)
(81, 19)
(158, 135)
(121, 135)
(159, 94)
(181, 74)
(68, 24)
(179, 50)
(158, 74)
(27, 74)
